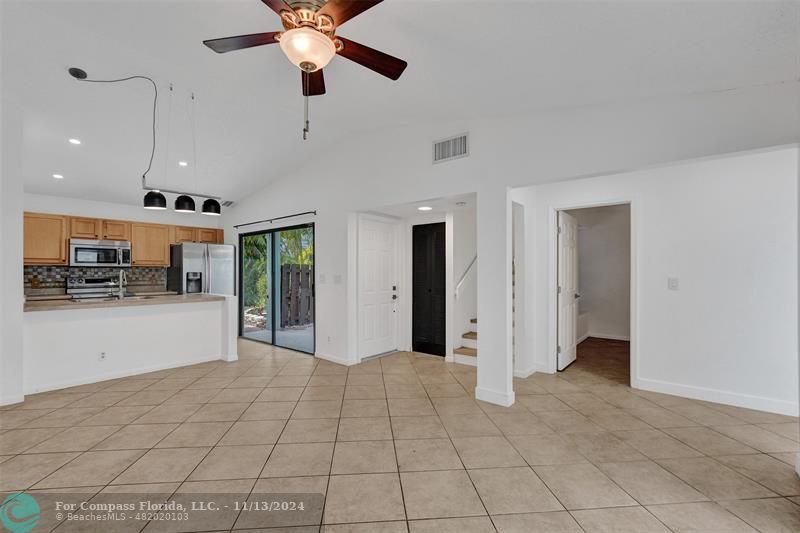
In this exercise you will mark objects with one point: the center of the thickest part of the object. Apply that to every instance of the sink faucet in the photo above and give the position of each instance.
(123, 282)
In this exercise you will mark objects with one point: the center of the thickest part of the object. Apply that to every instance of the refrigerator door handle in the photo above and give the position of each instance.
(207, 254)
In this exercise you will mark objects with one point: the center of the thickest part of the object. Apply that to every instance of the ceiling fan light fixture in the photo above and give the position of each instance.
(211, 207)
(308, 49)
(155, 200)
(184, 204)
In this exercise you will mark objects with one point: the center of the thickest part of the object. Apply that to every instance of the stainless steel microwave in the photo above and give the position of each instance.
(89, 253)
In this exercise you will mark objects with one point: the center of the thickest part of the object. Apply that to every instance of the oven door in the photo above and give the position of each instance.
(93, 256)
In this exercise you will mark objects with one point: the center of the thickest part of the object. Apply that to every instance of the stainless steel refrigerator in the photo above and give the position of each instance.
(202, 268)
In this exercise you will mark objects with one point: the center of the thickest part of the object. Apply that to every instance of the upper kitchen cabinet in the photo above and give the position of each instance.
(85, 228)
(208, 235)
(45, 239)
(183, 234)
(150, 244)
(189, 234)
(116, 230)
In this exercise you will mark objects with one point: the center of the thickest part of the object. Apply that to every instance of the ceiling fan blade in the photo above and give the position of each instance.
(343, 10)
(278, 5)
(228, 44)
(384, 64)
(313, 83)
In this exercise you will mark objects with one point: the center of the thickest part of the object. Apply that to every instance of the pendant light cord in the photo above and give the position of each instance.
(155, 108)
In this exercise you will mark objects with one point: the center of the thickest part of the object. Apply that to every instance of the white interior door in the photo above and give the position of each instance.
(377, 287)
(567, 289)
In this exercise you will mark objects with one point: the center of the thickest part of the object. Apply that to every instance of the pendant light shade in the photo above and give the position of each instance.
(155, 200)
(211, 207)
(184, 204)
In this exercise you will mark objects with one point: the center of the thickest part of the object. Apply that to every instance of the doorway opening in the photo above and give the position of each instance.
(276, 276)
(594, 291)
(428, 295)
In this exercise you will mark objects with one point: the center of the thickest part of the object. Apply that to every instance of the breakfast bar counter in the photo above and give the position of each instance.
(128, 301)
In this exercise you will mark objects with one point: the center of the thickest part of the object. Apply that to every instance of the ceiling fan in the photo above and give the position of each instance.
(310, 40)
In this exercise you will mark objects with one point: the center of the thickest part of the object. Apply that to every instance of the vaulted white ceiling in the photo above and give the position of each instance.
(466, 59)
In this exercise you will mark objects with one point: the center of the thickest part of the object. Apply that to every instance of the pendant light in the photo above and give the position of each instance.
(184, 204)
(211, 207)
(155, 200)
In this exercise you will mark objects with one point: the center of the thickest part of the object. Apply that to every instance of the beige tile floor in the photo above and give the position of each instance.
(399, 444)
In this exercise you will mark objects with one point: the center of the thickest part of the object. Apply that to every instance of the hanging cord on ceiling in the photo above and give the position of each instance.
(155, 108)
(194, 141)
(169, 133)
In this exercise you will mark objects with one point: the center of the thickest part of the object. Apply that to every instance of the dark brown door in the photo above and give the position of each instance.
(428, 291)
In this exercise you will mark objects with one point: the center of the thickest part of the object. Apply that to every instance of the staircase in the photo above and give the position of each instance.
(467, 354)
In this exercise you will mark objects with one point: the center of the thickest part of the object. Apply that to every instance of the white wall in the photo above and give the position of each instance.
(604, 250)
(11, 294)
(394, 167)
(465, 247)
(727, 228)
(62, 205)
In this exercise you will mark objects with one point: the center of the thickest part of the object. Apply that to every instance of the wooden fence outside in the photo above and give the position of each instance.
(296, 295)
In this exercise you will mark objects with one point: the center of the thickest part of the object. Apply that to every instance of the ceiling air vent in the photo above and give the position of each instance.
(452, 148)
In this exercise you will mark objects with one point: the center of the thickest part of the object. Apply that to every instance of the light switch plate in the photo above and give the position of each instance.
(673, 284)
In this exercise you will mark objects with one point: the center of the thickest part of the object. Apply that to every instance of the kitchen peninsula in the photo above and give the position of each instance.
(139, 327)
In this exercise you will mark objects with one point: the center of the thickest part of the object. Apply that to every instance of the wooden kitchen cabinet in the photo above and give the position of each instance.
(85, 228)
(183, 234)
(116, 230)
(45, 239)
(150, 244)
(207, 235)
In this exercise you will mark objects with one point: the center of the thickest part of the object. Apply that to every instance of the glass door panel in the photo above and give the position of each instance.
(293, 271)
(256, 319)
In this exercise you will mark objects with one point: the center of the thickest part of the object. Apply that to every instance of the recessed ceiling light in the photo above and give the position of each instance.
(183, 163)
(75, 141)
(425, 208)
(58, 176)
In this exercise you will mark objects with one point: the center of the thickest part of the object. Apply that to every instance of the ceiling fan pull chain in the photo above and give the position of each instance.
(306, 128)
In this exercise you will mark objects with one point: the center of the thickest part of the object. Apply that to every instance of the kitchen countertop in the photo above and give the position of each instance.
(151, 299)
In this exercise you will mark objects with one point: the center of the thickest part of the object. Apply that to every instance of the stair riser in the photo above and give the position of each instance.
(465, 360)
(469, 343)
(473, 327)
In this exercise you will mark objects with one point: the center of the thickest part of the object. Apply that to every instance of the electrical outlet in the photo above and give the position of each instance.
(329, 339)
(673, 284)
(101, 356)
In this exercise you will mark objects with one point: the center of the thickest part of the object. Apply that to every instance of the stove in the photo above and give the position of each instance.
(81, 288)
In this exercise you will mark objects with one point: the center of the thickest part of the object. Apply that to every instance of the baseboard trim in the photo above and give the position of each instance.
(116, 375)
(758, 403)
(525, 372)
(11, 400)
(497, 398)
(334, 359)
(797, 464)
(608, 337)
(583, 338)
(449, 358)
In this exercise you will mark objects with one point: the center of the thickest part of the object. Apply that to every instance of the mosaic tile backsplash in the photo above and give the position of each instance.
(55, 277)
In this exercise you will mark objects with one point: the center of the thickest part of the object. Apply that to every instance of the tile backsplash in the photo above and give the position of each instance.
(55, 277)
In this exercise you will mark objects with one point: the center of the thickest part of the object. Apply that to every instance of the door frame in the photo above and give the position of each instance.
(273, 291)
(553, 281)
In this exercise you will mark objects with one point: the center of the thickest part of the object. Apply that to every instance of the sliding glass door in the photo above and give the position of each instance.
(277, 292)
